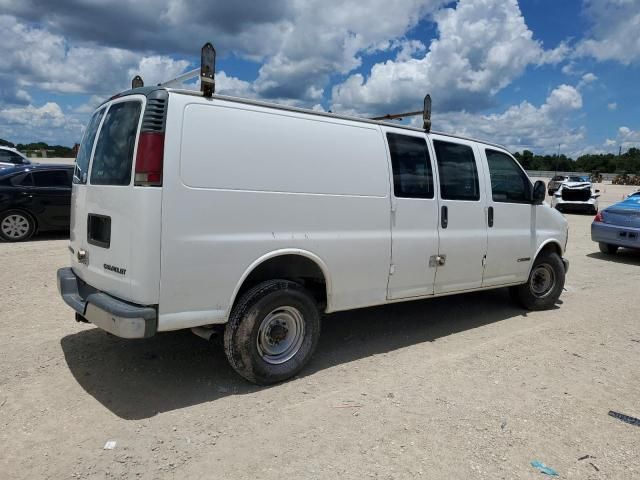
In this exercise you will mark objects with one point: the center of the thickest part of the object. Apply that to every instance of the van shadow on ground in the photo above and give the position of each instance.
(138, 379)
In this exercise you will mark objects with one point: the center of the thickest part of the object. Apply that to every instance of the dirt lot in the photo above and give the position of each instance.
(458, 387)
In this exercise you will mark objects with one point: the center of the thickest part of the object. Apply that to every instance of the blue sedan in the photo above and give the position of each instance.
(618, 225)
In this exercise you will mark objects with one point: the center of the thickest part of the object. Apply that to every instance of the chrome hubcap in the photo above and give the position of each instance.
(15, 225)
(280, 335)
(542, 281)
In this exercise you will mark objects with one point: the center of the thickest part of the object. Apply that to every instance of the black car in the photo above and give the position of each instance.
(34, 198)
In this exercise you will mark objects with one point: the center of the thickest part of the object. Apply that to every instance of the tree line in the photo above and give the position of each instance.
(628, 162)
(59, 151)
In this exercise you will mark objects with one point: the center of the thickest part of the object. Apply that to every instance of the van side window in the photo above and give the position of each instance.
(508, 182)
(412, 175)
(457, 170)
(84, 152)
(113, 158)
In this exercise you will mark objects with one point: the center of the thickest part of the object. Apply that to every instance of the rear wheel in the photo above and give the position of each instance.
(607, 248)
(272, 332)
(545, 283)
(16, 226)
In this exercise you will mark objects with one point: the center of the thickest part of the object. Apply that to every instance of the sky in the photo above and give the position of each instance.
(542, 75)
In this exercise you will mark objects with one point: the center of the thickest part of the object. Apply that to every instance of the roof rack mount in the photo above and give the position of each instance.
(206, 72)
(425, 112)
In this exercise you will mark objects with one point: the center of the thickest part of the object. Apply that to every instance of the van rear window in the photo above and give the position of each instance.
(84, 154)
(113, 158)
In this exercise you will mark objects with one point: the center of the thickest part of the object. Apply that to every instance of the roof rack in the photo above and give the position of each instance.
(207, 71)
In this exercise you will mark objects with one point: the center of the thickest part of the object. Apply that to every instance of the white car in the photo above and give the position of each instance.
(576, 196)
(10, 157)
(214, 213)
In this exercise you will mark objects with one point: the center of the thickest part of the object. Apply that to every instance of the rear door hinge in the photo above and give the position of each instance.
(392, 269)
(484, 261)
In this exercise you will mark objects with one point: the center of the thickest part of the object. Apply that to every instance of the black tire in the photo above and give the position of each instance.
(16, 226)
(607, 248)
(272, 308)
(536, 294)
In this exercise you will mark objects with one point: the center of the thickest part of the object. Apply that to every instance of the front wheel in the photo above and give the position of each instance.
(16, 226)
(545, 283)
(607, 248)
(272, 332)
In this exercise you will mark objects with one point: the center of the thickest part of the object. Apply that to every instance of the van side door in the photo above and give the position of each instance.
(462, 223)
(414, 217)
(510, 219)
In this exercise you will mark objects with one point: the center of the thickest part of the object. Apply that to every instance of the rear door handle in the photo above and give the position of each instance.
(490, 217)
(444, 216)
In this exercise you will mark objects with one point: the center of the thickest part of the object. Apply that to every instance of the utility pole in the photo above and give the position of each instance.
(557, 160)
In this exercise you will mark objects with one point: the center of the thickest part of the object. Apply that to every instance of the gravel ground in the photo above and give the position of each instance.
(460, 387)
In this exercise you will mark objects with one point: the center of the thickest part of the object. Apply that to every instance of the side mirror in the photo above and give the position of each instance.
(538, 193)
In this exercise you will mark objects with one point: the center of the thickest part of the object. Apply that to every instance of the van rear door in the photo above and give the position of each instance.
(115, 224)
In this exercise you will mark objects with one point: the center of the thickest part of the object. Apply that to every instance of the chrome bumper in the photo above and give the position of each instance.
(115, 316)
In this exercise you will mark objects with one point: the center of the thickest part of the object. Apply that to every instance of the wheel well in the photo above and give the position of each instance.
(292, 267)
(552, 247)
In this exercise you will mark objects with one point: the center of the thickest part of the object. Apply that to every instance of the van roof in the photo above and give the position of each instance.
(260, 103)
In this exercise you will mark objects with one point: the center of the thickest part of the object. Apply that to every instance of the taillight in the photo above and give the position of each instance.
(149, 159)
(598, 217)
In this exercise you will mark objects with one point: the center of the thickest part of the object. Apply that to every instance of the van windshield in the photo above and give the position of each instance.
(113, 158)
(84, 152)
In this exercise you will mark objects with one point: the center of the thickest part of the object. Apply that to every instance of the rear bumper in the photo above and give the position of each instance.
(615, 235)
(115, 316)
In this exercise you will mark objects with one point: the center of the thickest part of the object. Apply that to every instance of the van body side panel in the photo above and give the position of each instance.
(243, 181)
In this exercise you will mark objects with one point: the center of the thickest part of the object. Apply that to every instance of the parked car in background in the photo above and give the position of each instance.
(634, 194)
(34, 198)
(575, 195)
(618, 225)
(555, 182)
(10, 157)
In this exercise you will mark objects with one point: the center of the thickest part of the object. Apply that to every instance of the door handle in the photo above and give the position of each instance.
(444, 216)
(490, 217)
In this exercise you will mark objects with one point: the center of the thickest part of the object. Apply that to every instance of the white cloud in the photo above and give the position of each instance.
(615, 31)
(47, 122)
(482, 47)
(524, 126)
(34, 57)
(628, 138)
(612, 106)
(587, 78)
(325, 37)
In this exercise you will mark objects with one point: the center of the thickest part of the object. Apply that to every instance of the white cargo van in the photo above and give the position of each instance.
(192, 211)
